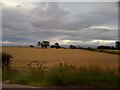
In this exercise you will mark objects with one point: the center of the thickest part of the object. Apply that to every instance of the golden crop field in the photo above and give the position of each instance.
(51, 57)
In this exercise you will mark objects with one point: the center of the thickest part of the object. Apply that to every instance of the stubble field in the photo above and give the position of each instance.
(22, 56)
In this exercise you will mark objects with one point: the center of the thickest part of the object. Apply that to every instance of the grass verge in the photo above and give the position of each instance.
(64, 76)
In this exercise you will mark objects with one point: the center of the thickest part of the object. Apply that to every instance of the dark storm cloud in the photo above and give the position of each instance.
(55, 22)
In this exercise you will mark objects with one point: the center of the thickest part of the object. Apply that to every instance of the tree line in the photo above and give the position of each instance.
(46, 44)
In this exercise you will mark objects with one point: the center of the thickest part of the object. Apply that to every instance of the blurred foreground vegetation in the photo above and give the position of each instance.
(63, 75)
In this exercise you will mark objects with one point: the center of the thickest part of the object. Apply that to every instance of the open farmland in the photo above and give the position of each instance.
(113, 51)
(22, 56)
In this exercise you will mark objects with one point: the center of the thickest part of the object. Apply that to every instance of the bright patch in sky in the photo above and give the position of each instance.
(103, 42)
(10, 4)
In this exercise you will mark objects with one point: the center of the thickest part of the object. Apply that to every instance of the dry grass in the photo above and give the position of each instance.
(51, 57)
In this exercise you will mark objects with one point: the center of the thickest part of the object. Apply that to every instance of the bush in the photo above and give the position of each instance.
(6, 60)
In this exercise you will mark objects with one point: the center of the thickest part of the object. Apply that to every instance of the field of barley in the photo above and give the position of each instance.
(22, 56)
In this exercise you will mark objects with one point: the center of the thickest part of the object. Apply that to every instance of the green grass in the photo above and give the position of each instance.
(104, 51)
(66, 75)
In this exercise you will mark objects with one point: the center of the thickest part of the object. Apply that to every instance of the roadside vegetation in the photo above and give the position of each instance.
(63, 75)
(5, 60)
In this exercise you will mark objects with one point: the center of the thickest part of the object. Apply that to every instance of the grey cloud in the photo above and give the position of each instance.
(80, 20)
(59, 21)
(96, 34)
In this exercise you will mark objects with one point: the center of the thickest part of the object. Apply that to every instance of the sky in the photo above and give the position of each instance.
(76, 23)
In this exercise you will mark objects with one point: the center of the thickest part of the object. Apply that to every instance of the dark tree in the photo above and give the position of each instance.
(39, 44)
(31, 46)
(112, 47)
(103, 47)
(45, 44)
(57, 46)
(6, 59)
(42, 45)
(52, 46)
(117, 45)
(73, 47)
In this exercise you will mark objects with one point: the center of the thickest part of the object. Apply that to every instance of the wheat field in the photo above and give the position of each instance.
(23, 56)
